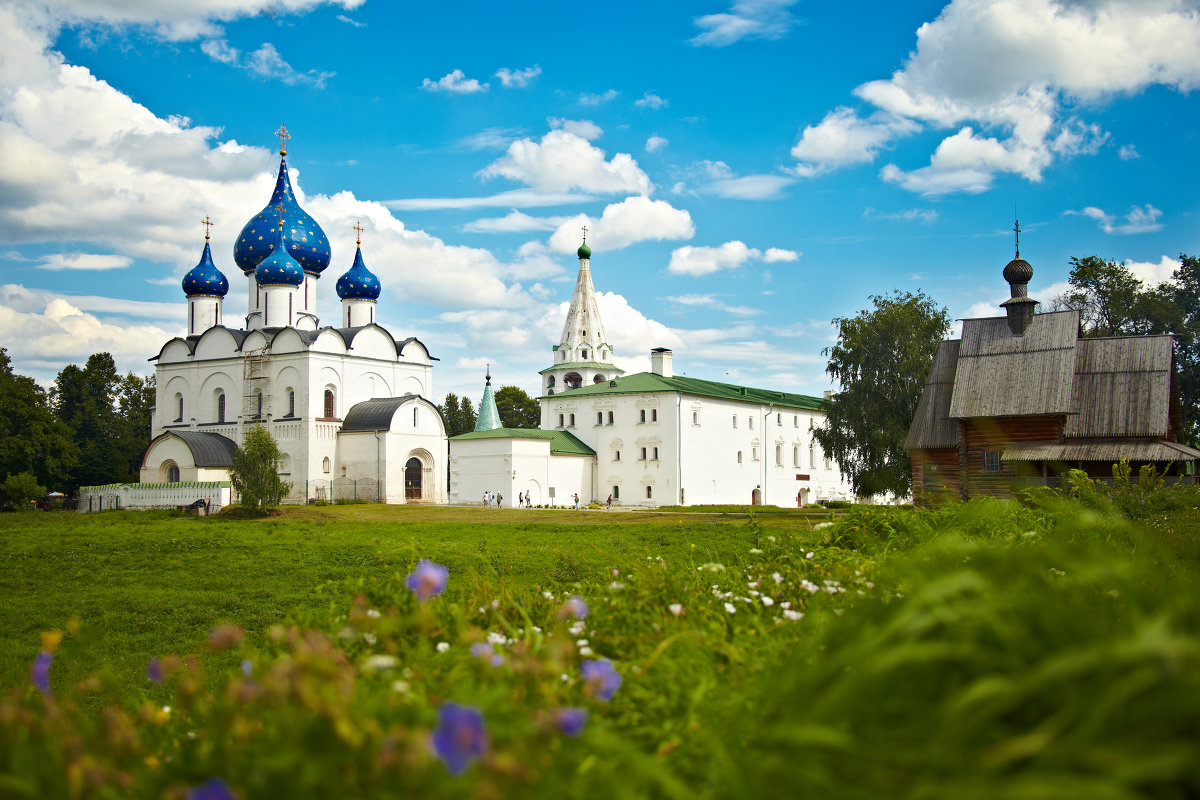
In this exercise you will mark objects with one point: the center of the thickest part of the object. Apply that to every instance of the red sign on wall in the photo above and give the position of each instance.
(801, 477)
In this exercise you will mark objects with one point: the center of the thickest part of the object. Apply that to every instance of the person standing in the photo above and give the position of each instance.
(576, 496)
(499, 500)
(610, 502)
(485, 497)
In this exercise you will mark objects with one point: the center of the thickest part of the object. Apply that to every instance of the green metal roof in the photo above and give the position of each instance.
(489, 415)
(579, 365)
(562, 443)
(648, 382)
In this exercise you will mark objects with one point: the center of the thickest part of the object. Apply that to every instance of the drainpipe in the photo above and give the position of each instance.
(679, 445)
(378, 486)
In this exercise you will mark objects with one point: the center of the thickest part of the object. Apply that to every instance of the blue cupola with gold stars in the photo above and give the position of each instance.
(303, 237)
(205, 287)
(359, 289)
(279, 268)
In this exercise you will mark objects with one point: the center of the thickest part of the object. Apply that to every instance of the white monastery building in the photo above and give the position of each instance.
(652, 438)
(349, 405)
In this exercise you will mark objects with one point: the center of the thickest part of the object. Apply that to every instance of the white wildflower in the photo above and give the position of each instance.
(820, 526)
(676, 609)
(729, 607)
(577, 627)
(443, 647)
(496, 638)
(775, 576)
(582, 643)
(809, 554)
(373, 613)
(754, 551)
(786, 604)
(809, 586)
(400, 687)
(792, 615)
(548, 595)
(767, 601)
(712, 566)
(378, 663)
(369, 638)
(585, 651)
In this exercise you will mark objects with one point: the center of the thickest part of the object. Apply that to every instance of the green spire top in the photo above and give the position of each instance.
(585, 251)
(489, 415)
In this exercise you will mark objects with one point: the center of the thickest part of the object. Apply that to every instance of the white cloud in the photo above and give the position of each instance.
(534, 260)
(221, 51)
(514, 198)
(84, 261)
(711, 301)
(456, 82)
(351, 21)
(656, 143)
(517, 78)
(1139, 219)
(747, 19)
(751, 187)
(689, 260)
(634, 219)
(598, 99)
(923, 215)
(513, 222)
(265, 63)
(1013, 69)
(489, 139)
(1128, 152)
(775, 255)
(1152, 274)
(563, 161)
(583, 128)
(843, 138)
(650, 100)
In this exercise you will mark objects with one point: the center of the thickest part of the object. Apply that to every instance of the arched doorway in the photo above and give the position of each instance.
(412, 479)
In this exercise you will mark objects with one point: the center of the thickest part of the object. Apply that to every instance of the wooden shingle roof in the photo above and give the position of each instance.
(1122, 387)
(931, 426)
(1002, 375)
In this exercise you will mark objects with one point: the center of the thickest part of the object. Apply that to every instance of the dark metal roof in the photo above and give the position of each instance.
(376, 414)
(1002, 375)
(931, 426)
(1122, 387)
(207, 449)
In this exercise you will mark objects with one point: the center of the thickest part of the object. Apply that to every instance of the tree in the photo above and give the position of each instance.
(880, 362)
(1106, 295)
(21, 488)
(517, 409)
(32, 438)
(459, 415)
(255, 471)
(1183, 291)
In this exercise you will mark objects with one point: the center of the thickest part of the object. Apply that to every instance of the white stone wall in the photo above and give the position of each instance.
(512, 466)
(698, 446)
(153, 495)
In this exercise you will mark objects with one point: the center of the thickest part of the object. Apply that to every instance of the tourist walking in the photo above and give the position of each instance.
(499, 500)
(576, 501)
(485, 497)
(610, 502)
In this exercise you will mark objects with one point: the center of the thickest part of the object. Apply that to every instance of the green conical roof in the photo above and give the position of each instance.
(489, 415)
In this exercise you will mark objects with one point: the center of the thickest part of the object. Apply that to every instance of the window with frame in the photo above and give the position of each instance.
(616, 455)
(329, 404)
(221, 407)
(649, 493)
(795, 456)
(654, 415)
(754, 454)
(572, 424)
(178, 407)
(610, 418)
(642, 415)
(991, 460)
(796, 421)
(739, 456)
(643, 454)
(561, 420)
(778, 420)
(779, 455)
(599, 417)
(695, 417)
(751, 423)
(291, 403)
(616, 493)
(735, 420)
(812, 457)
(656, 454)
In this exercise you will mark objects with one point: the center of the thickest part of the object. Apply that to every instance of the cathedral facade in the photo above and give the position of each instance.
(348, 404)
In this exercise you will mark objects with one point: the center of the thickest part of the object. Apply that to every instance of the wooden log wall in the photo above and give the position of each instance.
(977, 436)
(935, 476)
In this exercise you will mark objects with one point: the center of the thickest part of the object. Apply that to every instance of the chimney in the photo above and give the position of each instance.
(660, 362)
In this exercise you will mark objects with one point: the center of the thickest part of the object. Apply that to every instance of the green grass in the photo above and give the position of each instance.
(986, 650)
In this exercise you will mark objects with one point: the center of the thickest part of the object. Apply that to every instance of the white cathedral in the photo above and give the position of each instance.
(350, 406)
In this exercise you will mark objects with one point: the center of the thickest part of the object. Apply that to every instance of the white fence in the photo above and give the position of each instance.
(154, 495)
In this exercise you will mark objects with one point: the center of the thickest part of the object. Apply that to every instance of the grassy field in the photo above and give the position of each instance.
(982, 650)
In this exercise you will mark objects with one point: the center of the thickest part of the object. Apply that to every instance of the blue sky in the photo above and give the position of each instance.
(749, 170)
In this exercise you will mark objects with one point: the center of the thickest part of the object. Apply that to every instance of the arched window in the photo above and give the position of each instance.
(796, 421)
(326, 465)
(642, 415)
(616, 493)
(778, 420)
(812, 457)
(649, 493)
(561, 420)
(754, 453)
(584, 353)
(616, 455)
(597, 379)
(178, 407)
(610, 418)
(221, 407)
(550, 381)
(739, 456)
(173, 473)
(795, 456)
(329, 409)
(291, 403)
(550, 392)
(654, 415)
(779, 455)
(656, 454)
(735, 420)
(643, 454)
(751, 423)
(572, 421)
(695, 417)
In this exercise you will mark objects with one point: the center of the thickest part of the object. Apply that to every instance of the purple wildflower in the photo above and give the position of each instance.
(571, 720)
(601, 677)
(39, 673)
(155, 672)
(428, 579)
(459, 738)
(485, 651)
(211, 789)
(247, 667)
(574, 607)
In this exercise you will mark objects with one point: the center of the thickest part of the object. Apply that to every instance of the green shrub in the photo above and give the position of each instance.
(255, 471)
(21, 488)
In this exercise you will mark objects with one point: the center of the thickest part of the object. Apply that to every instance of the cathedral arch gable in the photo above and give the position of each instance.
(257, 340)
(216, 342)
(413, 349)
(288, 340)
(372, 341)
(175, 350)
(329, 340)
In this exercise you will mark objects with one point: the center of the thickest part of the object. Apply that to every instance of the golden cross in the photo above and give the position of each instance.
(283, 135)
(279, 208)
(207, 223)
(358, 231)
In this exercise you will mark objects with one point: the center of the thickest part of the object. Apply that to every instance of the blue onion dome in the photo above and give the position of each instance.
(279, 268)
(205, 278)
(305, 240)
(359, 283)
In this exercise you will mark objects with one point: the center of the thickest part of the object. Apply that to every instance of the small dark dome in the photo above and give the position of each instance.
(584, 251)
(205, 278)
(1018, 271)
